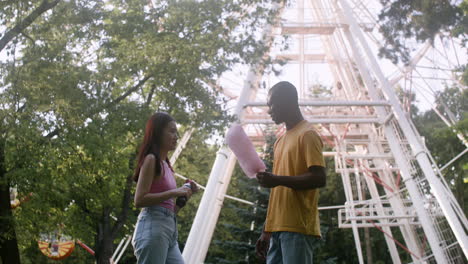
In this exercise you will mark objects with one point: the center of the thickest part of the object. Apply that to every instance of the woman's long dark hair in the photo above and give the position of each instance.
(152, 141)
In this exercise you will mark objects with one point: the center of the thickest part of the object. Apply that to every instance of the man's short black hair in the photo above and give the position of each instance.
(285, 90)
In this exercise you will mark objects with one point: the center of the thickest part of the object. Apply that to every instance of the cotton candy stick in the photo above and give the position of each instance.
(244, 150)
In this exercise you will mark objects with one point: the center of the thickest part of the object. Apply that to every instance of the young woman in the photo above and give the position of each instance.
(155, 237)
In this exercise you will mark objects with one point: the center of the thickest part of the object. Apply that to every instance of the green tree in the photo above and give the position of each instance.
(402, 21)
(16, 16)
(442, 141)
(422, 20)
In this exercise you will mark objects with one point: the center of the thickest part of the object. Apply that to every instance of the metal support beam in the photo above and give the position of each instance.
(322, 121)
(308, 28)
(181, 146)
(328, 103)
(204, 223)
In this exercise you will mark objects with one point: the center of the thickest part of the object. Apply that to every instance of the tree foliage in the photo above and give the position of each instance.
(402, 20)
(79, 81)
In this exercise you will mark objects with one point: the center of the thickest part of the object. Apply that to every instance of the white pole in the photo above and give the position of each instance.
(380, 210)
(129, 238)
(218, 200)
(181, 145)
(349, 194)
(398, 207)
(118, 247)
(193, 248)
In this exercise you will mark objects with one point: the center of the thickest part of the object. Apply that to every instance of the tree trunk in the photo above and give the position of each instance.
(460, 189)
(368, 245)
(9, 252)
(367, 236)
(104, 243)
(106, 233)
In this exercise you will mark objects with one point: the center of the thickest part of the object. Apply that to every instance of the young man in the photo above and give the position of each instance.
(292, 225)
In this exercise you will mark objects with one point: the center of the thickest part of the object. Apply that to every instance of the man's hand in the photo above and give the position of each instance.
(267, 180)
(262, 245)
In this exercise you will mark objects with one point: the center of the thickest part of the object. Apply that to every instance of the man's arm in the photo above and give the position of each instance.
(314, 178)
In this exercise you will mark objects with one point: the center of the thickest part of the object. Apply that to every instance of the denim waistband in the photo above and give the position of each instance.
(161, 209)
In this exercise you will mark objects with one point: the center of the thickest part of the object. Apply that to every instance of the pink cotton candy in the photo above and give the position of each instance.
(244, 150)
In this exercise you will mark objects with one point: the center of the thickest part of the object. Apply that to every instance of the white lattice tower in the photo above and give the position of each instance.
(390, 180)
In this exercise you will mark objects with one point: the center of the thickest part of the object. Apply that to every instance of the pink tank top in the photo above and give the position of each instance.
(165, 183)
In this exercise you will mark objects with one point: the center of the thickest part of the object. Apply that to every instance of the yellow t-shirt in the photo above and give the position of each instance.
(288, 209)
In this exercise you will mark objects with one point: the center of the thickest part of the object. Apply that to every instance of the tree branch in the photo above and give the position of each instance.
(22, 25)
(150, 95)
(127, 93)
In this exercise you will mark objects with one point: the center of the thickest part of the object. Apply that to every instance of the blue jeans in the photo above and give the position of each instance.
(291, 248)
(155, 237)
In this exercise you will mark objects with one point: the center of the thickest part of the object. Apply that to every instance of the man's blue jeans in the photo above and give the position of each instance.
(155, 237)
(291, 248)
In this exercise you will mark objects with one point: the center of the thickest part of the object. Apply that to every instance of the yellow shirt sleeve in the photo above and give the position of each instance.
(312, 149)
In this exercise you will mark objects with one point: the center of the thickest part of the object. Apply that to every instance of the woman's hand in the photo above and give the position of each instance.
(183, 191)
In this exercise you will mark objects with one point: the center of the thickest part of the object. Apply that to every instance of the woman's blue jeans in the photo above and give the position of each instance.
(155, 237)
